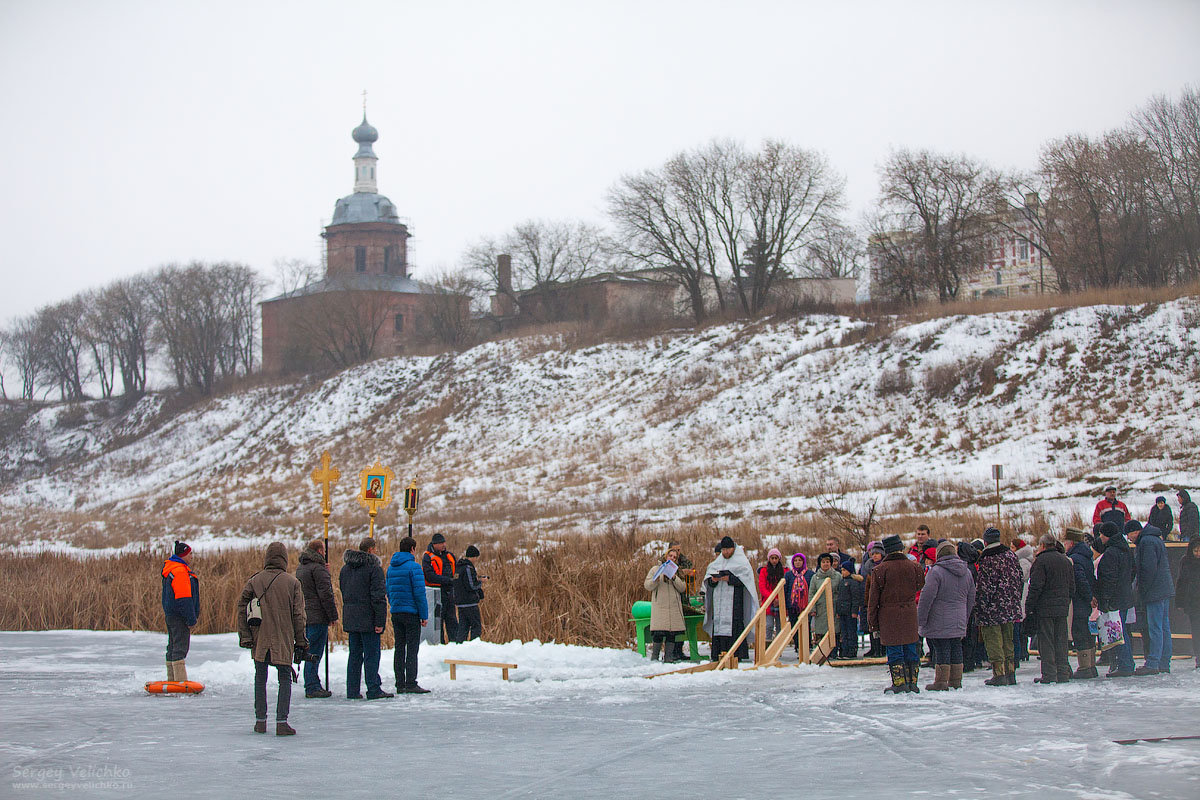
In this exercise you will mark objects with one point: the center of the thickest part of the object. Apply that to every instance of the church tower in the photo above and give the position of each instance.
(366, 236)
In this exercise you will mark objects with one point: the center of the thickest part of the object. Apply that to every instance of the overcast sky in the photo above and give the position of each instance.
(135, 134)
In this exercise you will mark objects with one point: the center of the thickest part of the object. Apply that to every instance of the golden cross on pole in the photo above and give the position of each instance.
(376, 491)
(325, 477)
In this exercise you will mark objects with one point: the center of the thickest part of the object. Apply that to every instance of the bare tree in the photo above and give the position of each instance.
(837, 253)
(546, 254)
(450, 309)
(21, 350)
(126, 312)
(339, 326)
(293, 274)
(857, 517)
(1170, 132)
(97, 332)
(61, 342)
(935, 214)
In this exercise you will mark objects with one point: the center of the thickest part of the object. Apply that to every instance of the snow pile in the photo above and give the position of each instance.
(735, 421)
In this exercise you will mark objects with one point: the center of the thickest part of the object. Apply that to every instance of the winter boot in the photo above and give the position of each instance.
(656, 651)
(260, 726)
(1010, 672)
(956, 671)
(941, 680)
(999, 676)
(1087, 666)
(899, 682)
(180, 671)
(170, 670)
(283, 729)
(911, 670)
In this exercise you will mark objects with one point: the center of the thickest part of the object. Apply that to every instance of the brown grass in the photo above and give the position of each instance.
(576, 591)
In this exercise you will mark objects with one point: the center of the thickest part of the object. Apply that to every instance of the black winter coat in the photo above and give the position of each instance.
(850, 596)
(468, 590)
(1114, 576)
(1162, 519)
(313, 573)
(1189, 517)
(1051, 585)
(1085, 576)
(1187, 586)
(364, 596)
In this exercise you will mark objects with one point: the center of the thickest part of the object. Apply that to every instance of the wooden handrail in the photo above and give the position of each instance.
(754, 621)
(786, 632)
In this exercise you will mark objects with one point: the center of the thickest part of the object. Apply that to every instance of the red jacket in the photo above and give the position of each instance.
(765, 589)
(1104, 505)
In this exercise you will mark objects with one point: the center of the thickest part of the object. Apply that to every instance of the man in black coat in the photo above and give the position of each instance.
(1114, 589)
(1189, 516)
(1081, 603)
(364, 615)
(320, 610)
(1051, 585)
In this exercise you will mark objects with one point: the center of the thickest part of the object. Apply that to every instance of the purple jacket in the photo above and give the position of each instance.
(1000, 586)
(946, 600)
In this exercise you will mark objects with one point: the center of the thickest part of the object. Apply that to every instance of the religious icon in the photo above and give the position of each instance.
(375, 487)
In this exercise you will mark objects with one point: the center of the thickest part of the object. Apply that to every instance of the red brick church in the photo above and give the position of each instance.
(366, 305)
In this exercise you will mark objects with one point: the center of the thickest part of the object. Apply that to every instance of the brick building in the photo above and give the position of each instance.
(366, 305)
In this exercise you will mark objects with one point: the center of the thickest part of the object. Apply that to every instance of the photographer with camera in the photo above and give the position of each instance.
(270, 614)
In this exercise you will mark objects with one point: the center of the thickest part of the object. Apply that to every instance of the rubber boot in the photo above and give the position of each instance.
(899, 684)
(956, 671)
(941, 680)
(180, 670)
(911, 670)
(670, 654)
(655, 651)
(1010, 672)
(999, 677)
(170, 670)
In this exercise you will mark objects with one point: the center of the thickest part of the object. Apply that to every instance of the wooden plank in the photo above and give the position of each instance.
(496, 664)
(452, 675)
(859, 662)
(705, 667)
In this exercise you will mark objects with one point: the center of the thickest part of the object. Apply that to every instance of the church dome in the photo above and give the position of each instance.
(364, 207)
(365, 133)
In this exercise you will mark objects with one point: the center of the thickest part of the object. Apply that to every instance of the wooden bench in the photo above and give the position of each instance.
(454, 663)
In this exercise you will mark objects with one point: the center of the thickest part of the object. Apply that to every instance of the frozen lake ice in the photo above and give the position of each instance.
(576, 722)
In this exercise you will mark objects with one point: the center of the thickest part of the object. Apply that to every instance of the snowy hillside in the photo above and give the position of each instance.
(737, 420)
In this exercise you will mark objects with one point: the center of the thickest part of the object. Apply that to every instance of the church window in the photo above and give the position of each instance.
(360, 259)
(399, 323)
(372, 173)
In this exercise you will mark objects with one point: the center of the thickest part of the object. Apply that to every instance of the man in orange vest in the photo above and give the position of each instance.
(438, 564)
(181, 605)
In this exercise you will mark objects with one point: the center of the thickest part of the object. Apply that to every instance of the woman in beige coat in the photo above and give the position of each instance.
(666, 607)
(277, 638)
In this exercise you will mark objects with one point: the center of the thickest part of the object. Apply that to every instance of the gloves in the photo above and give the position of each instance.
(246, 642)
(300, 654)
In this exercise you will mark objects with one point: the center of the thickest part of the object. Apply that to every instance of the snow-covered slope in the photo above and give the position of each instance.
(734, 419)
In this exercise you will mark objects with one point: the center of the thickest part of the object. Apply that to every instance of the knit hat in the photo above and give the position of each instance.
(1019, 543)
(437, 539)
(472, 551)
(1076, 535)
(977, 544)
(892, 544)
(874, 547)
(991, 536)
(847, 565)
(1109, 529)
(930, 553)
(726, 541)
(182, 549)
(803, 561)
(1132, 526)
(1160, 499)
(774, 551)
(946, 549)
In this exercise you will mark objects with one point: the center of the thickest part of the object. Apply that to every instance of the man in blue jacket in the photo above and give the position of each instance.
(1081, 603)
(1155, 587)
(181, 606)
(410, 613)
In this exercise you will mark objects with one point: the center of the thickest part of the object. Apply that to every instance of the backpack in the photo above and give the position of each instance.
(254, 607)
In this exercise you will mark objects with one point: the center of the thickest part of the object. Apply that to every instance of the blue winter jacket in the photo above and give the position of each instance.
(180, 591)
(406, 585)
(1152, 570)
(1085, 576)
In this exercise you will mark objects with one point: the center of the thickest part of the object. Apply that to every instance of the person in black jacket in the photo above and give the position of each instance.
(1189, 516)
(1051, 586)
(468, 591)
(846, 605)
(1187, 593)
(1114, 589)
(364, 615)
(320, 610)
(438, 564)
(1162, 518)
(1081, 604)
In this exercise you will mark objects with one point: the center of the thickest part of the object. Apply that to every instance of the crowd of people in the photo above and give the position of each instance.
(284, 619)
(964, 602)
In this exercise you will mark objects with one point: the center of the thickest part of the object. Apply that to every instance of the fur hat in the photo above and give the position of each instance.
(437, 539)
(875, 547)
(892, 544)
(726, 542)
(472, 552)
(182, 549)
(991, 536)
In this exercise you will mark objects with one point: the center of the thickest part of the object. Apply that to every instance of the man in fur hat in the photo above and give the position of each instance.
(730, 599)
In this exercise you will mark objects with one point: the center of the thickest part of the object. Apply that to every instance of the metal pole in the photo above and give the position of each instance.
(325, 513)
(997, 502)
